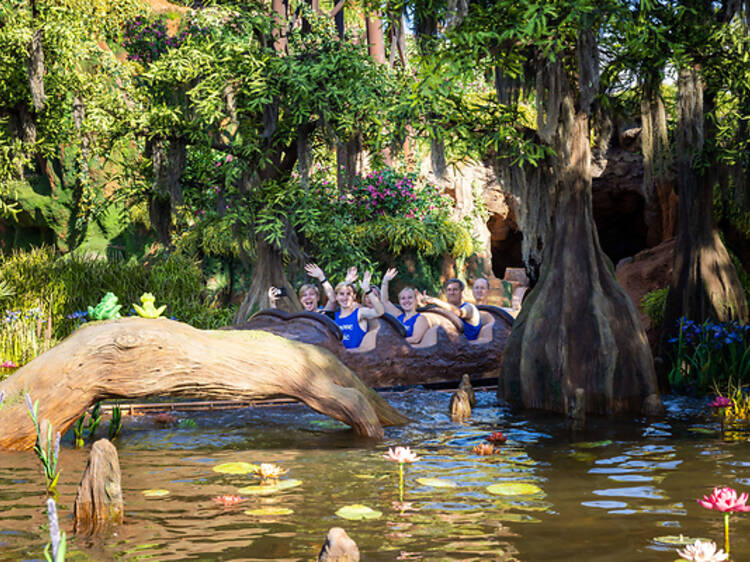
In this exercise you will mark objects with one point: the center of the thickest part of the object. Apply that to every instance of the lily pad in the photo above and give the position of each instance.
(155, 493)
(358, 511)
(365, 476)
(235, 468)
(703, 430)
(677, 540)
(514, 489)
(583, 456)
(269, 511)
(263, 489)
(518, 518)
(436, 482)
(592, 444)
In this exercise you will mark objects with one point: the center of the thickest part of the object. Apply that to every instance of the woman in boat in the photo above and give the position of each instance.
(416, 325)
(309, 294)
(352, 318)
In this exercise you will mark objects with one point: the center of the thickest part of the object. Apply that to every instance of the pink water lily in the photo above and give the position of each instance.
(725, 500)
(228, 500)
(721, 402)
(702, 551)
(401, 455)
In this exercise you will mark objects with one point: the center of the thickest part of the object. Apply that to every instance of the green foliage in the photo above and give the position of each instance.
(46, 448)
(24, 334)
(653, 304)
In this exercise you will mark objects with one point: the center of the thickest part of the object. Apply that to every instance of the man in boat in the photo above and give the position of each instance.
(480, 290)
(352, 318)
(454, 303)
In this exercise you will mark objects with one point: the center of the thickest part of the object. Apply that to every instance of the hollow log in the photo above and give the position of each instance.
(139, 357)
(98, 506)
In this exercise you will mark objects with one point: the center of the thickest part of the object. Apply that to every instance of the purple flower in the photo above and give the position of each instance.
(721, 402)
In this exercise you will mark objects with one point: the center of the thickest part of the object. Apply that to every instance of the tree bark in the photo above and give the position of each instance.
(596, 341)
(375, 43)
(704, 281)
(138, 358)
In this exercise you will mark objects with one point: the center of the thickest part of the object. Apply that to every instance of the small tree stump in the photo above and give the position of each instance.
(468, 389)
(339, 547)
(460, 406)
(98, 506)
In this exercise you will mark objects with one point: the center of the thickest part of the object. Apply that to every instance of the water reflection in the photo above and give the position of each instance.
(639, 477)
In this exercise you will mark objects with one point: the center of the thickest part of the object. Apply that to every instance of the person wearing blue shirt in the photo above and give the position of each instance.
(350, 317)
(465, 311)
(416, 325)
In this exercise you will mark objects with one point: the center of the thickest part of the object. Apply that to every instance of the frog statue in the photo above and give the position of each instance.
(107, 309)
(148, 310)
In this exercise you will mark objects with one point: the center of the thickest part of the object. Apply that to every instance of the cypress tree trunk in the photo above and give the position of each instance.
(704, 281)
(577, 328)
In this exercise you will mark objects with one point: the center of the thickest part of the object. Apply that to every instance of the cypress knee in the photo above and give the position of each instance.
(98, 506)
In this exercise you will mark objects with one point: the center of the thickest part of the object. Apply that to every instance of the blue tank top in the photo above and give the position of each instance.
(350, 330)
(470, 331)
(408, 324)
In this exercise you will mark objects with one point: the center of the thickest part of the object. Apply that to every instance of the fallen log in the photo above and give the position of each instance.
(139, 357)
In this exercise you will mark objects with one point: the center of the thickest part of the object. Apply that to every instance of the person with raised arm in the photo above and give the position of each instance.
(416, 325)
(352, 318)
(454, 303)
(309, 294)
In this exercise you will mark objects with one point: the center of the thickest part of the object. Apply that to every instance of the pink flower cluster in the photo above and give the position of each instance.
(725, 500)
(721, 402)
(8, 365)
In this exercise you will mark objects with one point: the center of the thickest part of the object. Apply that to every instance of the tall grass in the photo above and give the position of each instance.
(42, 292)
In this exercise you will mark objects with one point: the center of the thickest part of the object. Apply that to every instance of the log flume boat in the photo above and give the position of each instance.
(385, 360)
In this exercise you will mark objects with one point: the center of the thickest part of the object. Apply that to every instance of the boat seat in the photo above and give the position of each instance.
(370, 339)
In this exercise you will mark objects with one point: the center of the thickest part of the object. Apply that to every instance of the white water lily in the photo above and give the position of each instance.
(702, 551)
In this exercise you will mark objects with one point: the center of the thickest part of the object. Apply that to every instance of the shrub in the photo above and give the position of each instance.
(653, 304)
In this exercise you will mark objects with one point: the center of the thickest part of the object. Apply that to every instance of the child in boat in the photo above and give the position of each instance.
(352, 318)
(465, 311)
(480, 290)
(416, 325)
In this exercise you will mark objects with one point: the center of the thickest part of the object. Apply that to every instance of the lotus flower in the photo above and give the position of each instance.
(725, 500)
(228, 501)
(721, 402)
(268, 471)
(496, 437)
(401, 455)
(702, 552)
(484, 449)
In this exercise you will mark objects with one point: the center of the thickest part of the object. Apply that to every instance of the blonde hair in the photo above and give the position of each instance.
(306, 287)
(345, 284)
(412, 289)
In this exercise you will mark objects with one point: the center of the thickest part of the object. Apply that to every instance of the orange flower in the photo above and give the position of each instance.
(484, 449)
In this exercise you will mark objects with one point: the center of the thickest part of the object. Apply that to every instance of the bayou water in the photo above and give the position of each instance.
(606, 495)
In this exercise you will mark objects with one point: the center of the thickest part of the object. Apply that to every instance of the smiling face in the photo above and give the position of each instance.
(481, 289)
(407, 300)
(453, 293)
(345, 296)
(309, 299)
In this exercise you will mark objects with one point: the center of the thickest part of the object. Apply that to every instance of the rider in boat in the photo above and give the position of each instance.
(352, 318)
(454, 303)
(416, 325)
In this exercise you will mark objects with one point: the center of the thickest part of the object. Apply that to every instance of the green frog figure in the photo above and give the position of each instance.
(148, 310)
(107, 309)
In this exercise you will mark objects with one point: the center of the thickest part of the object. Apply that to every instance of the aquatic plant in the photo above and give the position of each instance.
(401, 455)
(58, 541)
(148, 310)
(721, 403)
(268, 471)
(187, 423)
(726, 501)
(115, 424)
(738, 409)
(228, 500)
(496, 437)
(45, 449)
(702, 551)
(484, 449)
(710, 353)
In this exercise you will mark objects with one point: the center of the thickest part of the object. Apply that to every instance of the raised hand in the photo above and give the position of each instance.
(273, 295)
(313, 270)
(364, 284)
(390, 274)
(351, 275)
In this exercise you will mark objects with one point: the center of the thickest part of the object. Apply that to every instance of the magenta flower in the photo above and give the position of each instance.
(725, 500)
(721, 402)
(8, 365)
